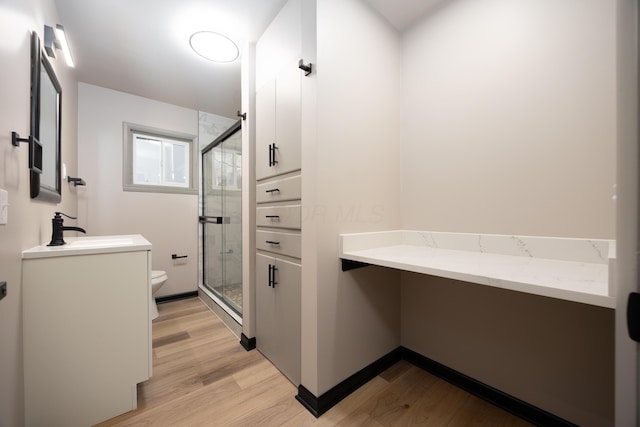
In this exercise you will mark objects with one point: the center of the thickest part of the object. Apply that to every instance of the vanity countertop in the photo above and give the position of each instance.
(87, 245)
(579, 270)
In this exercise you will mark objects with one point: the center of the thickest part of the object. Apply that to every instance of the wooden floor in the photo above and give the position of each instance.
(203, 377)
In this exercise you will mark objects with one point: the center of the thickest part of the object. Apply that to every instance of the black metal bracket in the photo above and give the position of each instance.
(35, 151)
(175, 256)
(76, 181)
(16, 140)
(348, 264)
(243, 115)
(306, 68)
(633, 316)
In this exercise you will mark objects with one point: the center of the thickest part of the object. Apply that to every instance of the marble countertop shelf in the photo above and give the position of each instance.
(579, 270)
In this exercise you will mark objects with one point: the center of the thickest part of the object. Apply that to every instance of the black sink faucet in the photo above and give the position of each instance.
(58, 228)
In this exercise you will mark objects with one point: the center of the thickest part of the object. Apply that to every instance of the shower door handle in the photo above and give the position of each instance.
(214, 219)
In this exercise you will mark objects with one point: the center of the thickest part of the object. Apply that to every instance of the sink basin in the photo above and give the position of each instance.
(85, 245)
(99, 243)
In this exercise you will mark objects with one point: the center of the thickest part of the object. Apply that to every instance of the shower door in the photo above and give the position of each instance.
(221, 218)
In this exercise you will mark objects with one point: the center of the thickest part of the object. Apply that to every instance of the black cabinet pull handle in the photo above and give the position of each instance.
(273, 190)
(271, 242)
(272, 276)
(272, 154)
(272, 216)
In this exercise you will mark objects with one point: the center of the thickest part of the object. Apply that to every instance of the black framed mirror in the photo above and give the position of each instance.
(46, 108)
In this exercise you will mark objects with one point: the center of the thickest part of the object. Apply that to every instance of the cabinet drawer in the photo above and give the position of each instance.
(278, 216)
(280, 190)
(279, 243)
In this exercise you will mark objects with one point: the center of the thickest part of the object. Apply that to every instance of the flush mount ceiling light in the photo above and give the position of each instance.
(214, 46)
(56, 39)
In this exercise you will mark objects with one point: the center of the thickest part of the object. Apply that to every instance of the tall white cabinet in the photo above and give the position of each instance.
(278, 221)
(86, 329)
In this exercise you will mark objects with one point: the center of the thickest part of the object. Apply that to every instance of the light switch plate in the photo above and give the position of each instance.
(4, 207)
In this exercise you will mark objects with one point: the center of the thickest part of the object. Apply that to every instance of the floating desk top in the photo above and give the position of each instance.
(579, 270)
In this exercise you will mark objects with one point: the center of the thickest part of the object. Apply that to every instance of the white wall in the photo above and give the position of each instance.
(509, 118)
(509, 127)
(29, 221)
(355, 171)
(168, 221)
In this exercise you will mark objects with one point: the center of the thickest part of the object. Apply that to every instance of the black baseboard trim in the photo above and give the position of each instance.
(319, 405)
(496, 397)
(176, 297)
(246, 342)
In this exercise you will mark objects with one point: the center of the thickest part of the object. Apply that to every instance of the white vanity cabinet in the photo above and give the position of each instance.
(278, 221)
(86, 329)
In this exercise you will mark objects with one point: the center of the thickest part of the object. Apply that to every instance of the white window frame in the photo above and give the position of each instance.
(164, 137)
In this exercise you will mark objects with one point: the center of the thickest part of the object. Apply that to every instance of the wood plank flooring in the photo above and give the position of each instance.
(203, 377)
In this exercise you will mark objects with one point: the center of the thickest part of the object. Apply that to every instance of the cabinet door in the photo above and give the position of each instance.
(288, 126)
(265, 303)
(278, 313)
(265, 128)
(278, 125)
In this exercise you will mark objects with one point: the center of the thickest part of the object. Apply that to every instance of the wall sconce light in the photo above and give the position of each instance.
(56, 39)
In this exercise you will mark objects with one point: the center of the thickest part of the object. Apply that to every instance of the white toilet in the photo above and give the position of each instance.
(158, 277)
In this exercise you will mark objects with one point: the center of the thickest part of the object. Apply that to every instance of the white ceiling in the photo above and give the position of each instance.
(142, 46)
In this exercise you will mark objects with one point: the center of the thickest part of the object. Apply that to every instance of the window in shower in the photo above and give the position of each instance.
(221, 218)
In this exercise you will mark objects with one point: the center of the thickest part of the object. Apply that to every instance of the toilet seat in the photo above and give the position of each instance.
(158, 275)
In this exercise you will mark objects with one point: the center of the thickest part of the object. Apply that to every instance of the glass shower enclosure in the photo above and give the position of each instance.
(221, 218)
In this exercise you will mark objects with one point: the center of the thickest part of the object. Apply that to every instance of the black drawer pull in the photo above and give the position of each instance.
(271, 242)
(273, 190)
(272, 216)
